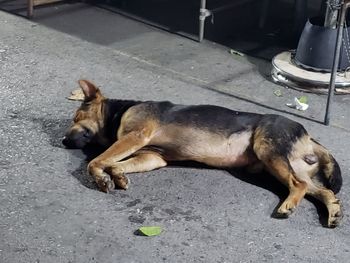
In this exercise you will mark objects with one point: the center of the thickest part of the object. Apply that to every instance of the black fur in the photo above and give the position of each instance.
(114, 110)
(208, 117)
(336, 181)
(283, 132)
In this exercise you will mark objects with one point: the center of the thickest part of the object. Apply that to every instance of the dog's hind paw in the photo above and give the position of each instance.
(335, 215)
(334, 221)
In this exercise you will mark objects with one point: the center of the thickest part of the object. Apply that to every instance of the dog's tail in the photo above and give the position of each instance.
(329, 167)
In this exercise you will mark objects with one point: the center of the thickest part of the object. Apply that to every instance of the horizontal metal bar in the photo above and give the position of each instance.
(229, 6)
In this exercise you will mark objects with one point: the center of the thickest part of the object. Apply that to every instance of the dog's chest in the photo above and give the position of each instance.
(214, 149)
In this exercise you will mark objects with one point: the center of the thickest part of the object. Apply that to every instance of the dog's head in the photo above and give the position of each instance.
(88, 121)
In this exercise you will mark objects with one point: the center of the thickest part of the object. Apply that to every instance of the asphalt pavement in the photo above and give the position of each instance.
(51, 210)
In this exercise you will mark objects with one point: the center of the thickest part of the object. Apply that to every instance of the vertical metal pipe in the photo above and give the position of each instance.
(300, 17)
(338, 43)
(202, 16)
(30, 7)
(332, 15)
(263, 14)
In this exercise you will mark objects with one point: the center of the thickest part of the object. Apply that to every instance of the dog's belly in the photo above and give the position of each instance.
(214, 149)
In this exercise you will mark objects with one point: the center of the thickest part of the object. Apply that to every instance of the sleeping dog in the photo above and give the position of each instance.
(142, 136)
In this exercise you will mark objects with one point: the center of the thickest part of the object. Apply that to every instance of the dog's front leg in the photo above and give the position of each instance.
(142, 161)
(124, 147)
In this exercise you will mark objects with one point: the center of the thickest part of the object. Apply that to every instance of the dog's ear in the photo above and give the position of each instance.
(90, 91)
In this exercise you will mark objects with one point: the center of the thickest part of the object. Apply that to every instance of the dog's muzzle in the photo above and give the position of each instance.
(77, 139)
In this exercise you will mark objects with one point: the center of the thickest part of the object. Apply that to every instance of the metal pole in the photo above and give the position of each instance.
(202, 16)
(300, 8)
(341, 19)
(263, 14)
(332, 14)
(30, 4)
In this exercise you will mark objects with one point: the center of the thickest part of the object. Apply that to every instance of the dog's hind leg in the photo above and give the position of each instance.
(281, 168)
(121, 149)
(272, 145)
(307, 172)
(141, 162)
(313, 170)
(327, 197)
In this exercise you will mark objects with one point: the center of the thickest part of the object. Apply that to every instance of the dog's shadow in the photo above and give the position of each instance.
(266, 181)
(270, 183)
(57, 128)
(81, 173)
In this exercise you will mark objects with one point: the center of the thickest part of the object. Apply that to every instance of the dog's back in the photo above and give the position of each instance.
(209, 134)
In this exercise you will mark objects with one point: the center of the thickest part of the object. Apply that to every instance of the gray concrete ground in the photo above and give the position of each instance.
(51, 211)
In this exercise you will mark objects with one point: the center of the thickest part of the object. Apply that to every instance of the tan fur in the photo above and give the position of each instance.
(304, 171)
(325, 158)
(184, 143)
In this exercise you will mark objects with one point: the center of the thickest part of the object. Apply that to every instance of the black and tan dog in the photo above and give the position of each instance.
(142, 136)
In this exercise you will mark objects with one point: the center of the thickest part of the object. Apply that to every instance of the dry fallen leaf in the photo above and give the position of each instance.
(235, 52)
(77, 95)
(278, 93)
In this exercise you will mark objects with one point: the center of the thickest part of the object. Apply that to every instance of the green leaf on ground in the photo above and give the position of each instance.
(150, 230)
(303, 99)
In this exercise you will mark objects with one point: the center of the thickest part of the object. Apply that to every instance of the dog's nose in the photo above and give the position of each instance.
(68, 143)
(64, 141)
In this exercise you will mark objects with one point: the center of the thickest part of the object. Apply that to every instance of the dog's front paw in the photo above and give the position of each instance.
(105, 184)
(286, 209)
(121, 181)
